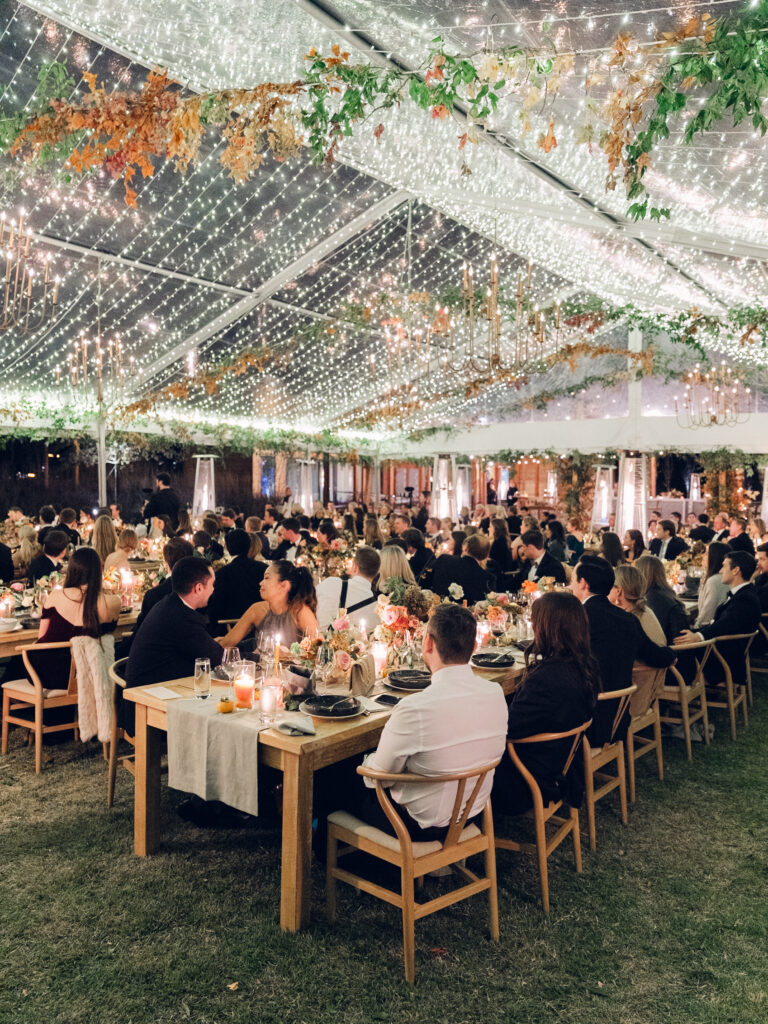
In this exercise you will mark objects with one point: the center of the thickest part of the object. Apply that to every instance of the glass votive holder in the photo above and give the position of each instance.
(271, 694)
(243, 683)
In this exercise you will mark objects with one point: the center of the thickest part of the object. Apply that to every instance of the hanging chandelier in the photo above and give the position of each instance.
(29, 296)
(712, 398)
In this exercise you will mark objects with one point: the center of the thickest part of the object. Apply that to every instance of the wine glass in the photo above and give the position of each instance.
(323, 665)
(229, 665)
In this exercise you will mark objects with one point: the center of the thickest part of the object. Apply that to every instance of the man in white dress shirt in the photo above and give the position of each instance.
(357, 597)
(458, 723)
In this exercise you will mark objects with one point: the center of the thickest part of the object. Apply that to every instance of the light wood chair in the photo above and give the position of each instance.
(23, 695)
(117, 675)
(415, 859)
(542, 815)
(688, 696)
(596, 760)
(644, 712)
(729, 695)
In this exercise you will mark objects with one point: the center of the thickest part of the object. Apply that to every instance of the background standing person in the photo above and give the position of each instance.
(164, 502)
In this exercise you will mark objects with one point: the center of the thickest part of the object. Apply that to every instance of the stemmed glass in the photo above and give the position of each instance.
(229, 665)
(323, 665)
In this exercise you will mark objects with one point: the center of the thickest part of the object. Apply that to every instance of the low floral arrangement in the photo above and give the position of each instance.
(416, 601)
(344, 639)
(541, 586)
(498, 609)
(331, 561)
(22, 597)
(141, 580)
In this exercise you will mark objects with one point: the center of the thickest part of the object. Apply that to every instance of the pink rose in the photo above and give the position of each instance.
(342, 660)
(335, 544)
(18, 587)
(341, 623)
(389, 615)
(503, 599)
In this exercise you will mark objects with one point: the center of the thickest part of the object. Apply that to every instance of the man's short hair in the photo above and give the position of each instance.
(413, 538)
(253, 524)
(596, 573)
(163, 478)
(201, 539)
(237, 542)
(176, 549)
(668, 525)
(211, 526)
(291, 524)
(47, 514)
(533, 537)
(740, 520)
(55, 542)
(477, 546)
(454, 631)
(67, 516)
(744, 562)
(762, 547)
(703, 518)
(187, 573)
(367, 561)
(403, 516)
(15, 508)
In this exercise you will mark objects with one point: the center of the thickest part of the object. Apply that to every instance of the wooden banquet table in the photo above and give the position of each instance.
(9, 641)
(297, 757)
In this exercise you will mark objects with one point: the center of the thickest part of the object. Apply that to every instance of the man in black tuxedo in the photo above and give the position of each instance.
(291, 543)
(468, 572)
(54, 550)
(421, 557)
(703, 531)
(237, 585)
(761, 580)
(68, 525)
(176, 549)
(164, 502)
(47, 517)
(617, 639)
(720, 523)
(539, 563)
(665, 545)
(740, 612)
(737, 538)
(173, 635)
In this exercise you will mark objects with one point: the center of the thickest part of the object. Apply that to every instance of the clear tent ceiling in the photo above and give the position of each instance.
(176, 271)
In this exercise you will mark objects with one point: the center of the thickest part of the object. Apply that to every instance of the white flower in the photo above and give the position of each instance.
(456, 592)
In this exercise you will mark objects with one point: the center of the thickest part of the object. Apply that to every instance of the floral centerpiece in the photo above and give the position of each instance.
(497, 609)
(345, 642)
(542, 586)
(17, 597)
(403, 610)
(331, 561)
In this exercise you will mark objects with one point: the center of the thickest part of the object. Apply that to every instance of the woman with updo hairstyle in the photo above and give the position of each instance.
(557, 693)
(628, 594)
(288, 608)
(127, 544)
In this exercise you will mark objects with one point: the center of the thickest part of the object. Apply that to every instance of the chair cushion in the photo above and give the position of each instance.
(375, 835)
(25, 690)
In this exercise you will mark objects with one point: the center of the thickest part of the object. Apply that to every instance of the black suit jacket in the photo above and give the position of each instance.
(739, 614)
(150, 599)
(552, 699)
(164, 503)
(760, 584)
(668, 610)
(421, 559)
(548, 566)
(236, 588)
(466, 571)
(618, 641)
(675, 547)
(702, 533)
(741, 542)
(41, 566)
(6, 564)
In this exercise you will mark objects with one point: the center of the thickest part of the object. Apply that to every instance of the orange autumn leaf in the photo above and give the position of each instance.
(440, 111)
(548, 142)
(378, 132)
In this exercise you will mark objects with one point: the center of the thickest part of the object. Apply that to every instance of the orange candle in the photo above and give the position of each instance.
(243, 691)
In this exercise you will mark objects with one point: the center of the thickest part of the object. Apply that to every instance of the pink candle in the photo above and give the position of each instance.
(243, 691)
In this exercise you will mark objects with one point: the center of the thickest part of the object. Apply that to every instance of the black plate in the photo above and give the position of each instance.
(323, 705)
(388, 699)
(487, 660)
(409, 679)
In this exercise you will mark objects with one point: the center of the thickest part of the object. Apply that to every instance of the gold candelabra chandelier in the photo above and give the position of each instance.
(712, 398)
(29, 295)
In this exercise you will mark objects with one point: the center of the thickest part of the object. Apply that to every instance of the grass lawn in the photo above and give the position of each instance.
(669, 921)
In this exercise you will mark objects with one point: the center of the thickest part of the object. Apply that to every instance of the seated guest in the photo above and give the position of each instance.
(173, 635)
(291, 543)
(432, 530)
(393, 565)
(557, 693)
(173, 551)
(634, 545)
(78, 608)
(355, 595)
(68, 525)
(185, 524)
(372, 535)
(400, 523)
(287, 607)
(54, 552)
(237, 584)
(472, 573)
(419, 555)
(665, 545)
(127, 543)
(737, 538)
(326, 534)
(555, 536)
(161, 527)
(611, 549)
(455, 725)
(720, 524)
(46, 517)
(202, 542)
(741, 612)
(501, 552)
(701, 530)
(259, 543)
(104, 537)
(761, 580)
(661, 598)
(713, 591)
(445, 566)
(627, 593)
(211, 526)
(617, 640)
(228, 518)
(756, 531)
(28, 549)
(574, 540)
(7, 563)
(538, 562)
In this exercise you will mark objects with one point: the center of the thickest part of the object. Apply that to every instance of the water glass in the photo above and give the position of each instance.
(229, 665)
(202, 683)
(271, 692)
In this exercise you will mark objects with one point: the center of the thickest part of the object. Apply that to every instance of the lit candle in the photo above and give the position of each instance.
(379, 652)
(363, 631)
(277, 654)
(6, 607)
(243, 685)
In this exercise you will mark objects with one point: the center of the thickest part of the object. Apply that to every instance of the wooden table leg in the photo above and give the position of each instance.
(146, 806)
(297, 843)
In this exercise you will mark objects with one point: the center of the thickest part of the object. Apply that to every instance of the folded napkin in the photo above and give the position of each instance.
(296, 723)
(363, 676)
(163, 693)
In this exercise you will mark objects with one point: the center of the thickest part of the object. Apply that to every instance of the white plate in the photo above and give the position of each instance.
(8, 626)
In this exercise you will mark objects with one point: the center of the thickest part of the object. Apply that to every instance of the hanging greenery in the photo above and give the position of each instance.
(719, 67)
